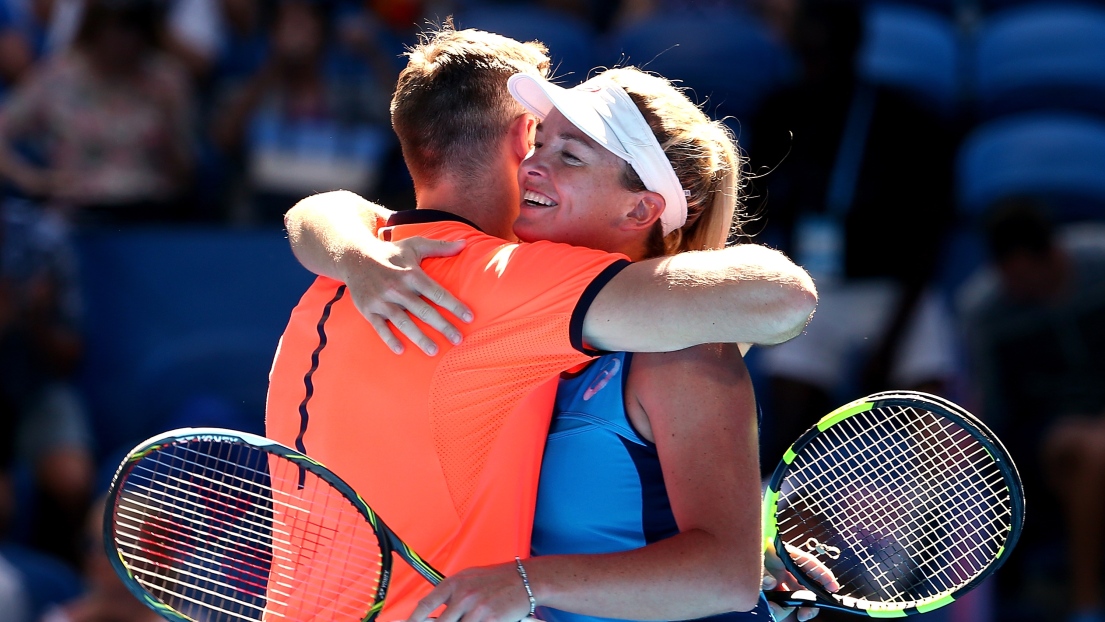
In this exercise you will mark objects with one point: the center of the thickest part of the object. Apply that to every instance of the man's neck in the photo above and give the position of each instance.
(490, 205)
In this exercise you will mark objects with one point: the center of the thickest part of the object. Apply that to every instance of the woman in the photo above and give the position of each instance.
(111, 119)
(629, 423)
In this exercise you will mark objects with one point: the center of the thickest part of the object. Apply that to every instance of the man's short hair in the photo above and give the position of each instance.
(451, 106)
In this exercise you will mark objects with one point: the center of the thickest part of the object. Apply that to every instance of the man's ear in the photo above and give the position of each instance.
(523, 132)
(646, 211)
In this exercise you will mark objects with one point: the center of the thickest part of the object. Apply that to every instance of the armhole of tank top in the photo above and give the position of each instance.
(627, 362)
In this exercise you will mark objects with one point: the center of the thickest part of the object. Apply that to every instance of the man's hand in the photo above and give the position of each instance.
(486, 594)
(776, 577)
(390, 286)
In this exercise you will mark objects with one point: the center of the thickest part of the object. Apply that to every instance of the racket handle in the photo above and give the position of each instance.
(799, 598)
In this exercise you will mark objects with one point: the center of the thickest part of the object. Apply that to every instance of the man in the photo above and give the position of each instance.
(457, 437)
(1035, 319)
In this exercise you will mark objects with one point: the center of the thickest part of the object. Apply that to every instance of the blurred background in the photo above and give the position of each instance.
(937, 165)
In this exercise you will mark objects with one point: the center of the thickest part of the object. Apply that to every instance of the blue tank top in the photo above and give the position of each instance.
(602, 490)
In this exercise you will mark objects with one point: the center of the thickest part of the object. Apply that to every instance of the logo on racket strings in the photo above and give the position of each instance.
(822, 549)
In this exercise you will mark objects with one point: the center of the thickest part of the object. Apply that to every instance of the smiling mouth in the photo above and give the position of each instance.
(536, 199)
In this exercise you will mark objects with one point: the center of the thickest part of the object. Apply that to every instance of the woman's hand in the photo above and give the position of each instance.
(776, 577)
(387, 284)
(485, 594)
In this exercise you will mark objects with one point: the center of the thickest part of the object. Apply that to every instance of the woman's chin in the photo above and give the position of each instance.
(527, 228)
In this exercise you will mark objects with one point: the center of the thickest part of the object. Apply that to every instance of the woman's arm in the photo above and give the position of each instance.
(699, 406)
(746, 293)
(333, 234)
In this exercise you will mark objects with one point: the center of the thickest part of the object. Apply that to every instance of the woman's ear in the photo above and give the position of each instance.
(645, 212)
(523, 133)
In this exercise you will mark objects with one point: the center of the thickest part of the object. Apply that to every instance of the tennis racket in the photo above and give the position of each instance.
(906, 498)
(212, 525)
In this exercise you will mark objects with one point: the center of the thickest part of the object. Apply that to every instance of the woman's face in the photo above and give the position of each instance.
(572, 190)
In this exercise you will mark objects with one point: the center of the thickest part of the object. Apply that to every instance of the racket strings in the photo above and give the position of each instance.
(271, 600)
(221, 531)
(190, 502)
(870, 486)
(896, 549)
(898, 577)
(885, 550)
(859, 468)
(863, 468)
(925, 499)
(977, 497)
(163, 552)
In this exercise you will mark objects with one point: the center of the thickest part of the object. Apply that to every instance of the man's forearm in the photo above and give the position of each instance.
(743, 294)
(324, 228)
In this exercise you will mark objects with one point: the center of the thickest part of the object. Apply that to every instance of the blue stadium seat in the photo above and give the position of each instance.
(1042, 55)
(913, 49)
(1057, 156)
(991, 6)
(176, 314)
(729, 59)
(571, 41)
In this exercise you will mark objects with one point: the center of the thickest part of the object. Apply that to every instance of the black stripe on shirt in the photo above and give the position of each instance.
(308, 382)
(575, 326)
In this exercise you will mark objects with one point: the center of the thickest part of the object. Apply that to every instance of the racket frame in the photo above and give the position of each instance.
(915, 399)
(388, 541)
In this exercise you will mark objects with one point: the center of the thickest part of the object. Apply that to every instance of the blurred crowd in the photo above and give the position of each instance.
(954, 229)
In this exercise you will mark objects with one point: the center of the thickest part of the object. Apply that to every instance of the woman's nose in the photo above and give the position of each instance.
(533, 168)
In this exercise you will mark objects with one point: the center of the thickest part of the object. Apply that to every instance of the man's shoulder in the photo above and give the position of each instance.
(496, 253)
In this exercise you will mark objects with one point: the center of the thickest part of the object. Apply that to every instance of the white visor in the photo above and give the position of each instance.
(603, 111)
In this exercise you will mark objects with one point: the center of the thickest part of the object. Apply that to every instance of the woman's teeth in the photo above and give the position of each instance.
(534, 198)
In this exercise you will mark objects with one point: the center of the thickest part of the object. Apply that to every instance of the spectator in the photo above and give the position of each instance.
(41, 344)
(37, 28)
(1035, 324)
(376, 36)
(23, 35)
(110, 120)
(31, 30)
(106, 599)
(192, 34)
(297, 126)
(243, 46)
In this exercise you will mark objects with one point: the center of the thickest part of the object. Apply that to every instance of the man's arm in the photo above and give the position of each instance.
(746, 293)
(324, 229)
(333, 234)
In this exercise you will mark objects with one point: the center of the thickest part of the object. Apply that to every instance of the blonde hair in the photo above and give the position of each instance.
(703, 153)
(451, 107)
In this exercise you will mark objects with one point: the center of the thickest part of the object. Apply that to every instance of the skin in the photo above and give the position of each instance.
(696, 404)
(712, 559)
(578, 195)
